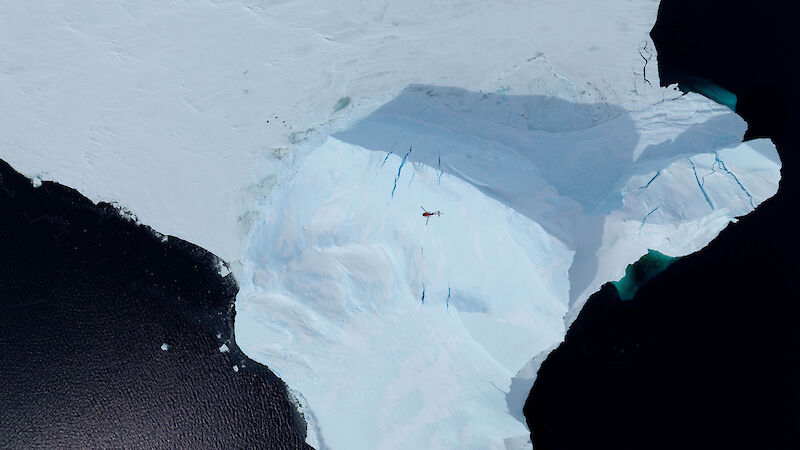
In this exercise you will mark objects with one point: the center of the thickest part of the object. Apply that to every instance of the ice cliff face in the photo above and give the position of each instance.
(538, 129)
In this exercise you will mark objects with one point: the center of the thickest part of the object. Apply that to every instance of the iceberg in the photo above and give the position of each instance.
(405, 331)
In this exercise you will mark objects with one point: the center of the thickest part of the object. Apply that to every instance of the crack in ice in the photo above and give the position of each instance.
(400, 169)
(651, 181)
(700, 184)
(447, 302)
(646, 60)
(644, 219)
(384, 159)
(721, 164)
(439, 179)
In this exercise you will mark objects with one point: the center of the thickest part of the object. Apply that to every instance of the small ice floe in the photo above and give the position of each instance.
(223, 269)
(36, 182)
(223, 348)
(165, 346)
(235, 368)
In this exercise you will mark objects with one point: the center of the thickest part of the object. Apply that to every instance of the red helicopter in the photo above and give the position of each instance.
(427, 214)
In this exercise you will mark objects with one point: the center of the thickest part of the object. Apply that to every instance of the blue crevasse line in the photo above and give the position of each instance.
(384, 159)
(722, 166)
(700, 185)
(439, 179)
(400, 169)
(423, 294)
(646, 216)
(651, 181)
(448, 296)
(412, 178)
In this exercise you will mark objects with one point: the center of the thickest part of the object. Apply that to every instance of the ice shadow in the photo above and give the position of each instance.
(538, 154)
(701, 137)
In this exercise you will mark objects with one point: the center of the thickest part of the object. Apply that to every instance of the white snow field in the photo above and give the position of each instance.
(276, 135)
(162, 106)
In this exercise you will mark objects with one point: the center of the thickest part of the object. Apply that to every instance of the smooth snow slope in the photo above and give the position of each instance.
(399, 334)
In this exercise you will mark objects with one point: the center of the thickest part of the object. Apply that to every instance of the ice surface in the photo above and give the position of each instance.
(223, 270)
(331, 296)
(568, 166)
(163, 106)
(344, 290)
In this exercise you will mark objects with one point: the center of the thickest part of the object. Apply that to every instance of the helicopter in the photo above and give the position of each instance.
(428, 214)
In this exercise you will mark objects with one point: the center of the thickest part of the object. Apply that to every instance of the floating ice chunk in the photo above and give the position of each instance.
(165, 346)
(223, 269)
(223, 348)
(235, 368)
(37, 182)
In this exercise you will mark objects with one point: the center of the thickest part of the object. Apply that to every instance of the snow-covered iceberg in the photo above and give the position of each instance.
(399, 331)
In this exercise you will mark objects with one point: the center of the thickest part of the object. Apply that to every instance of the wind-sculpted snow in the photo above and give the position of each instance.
(412, 332)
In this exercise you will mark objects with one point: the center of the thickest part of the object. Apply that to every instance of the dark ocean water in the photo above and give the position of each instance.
(87, 298)
(707, 353)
